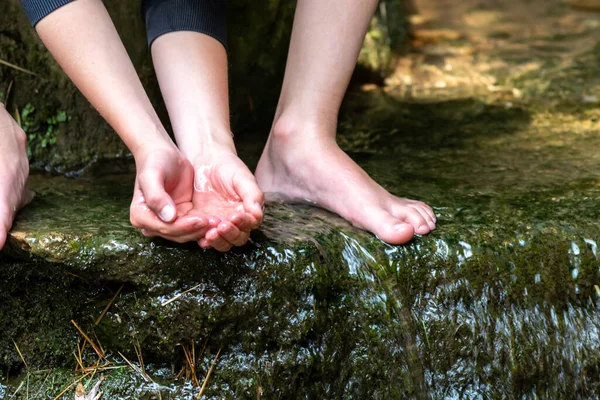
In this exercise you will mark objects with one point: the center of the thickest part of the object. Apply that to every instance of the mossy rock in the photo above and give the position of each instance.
(500, 300)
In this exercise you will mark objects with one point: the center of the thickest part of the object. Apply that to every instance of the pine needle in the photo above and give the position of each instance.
(210, 371)
(20, 354)
(190, 357)
(180, 294)
(97, 349)
(10, 85)
(137, 369)
(110, 303)
(61, 394)
(13, 66)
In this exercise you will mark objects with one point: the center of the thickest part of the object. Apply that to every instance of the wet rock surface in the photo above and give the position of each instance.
(500, 302)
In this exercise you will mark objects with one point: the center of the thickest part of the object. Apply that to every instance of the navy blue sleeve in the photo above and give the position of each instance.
(38, 9)
(161, 16)
(204, 16)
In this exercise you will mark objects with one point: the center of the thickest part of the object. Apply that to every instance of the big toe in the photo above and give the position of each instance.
(2, 237)
(390, 229)
(398, 232)
(5, 224)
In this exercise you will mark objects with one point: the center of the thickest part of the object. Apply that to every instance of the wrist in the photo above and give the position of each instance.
(213, 143)
(147, 139)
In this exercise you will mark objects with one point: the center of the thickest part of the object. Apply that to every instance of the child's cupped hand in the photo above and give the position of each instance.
(214, 201)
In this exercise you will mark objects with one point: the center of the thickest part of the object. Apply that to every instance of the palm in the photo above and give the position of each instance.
(214, 188)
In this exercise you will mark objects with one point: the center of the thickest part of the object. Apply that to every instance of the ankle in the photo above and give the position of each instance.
(289, 127)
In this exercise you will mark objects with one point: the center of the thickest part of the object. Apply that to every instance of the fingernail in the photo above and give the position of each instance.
(168, 213)
(259, 207)
(144, 232)
(423, 227)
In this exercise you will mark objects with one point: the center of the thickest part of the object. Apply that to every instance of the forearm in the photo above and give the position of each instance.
(84, 41)
(192, 73)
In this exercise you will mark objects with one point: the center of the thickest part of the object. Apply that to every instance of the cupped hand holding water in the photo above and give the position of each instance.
(225, 188)
(214, 200)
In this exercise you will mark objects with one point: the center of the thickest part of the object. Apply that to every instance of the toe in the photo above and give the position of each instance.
(427, 215)
(427, 210)
(2, 237)
(389, 228)
(5, 224)
(416, 220)
(396, 232)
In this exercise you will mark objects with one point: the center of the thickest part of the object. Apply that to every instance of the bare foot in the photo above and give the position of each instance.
(14, 171)
(226, 204)
(307, 165)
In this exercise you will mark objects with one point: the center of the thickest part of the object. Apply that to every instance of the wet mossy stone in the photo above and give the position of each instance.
(501, 300)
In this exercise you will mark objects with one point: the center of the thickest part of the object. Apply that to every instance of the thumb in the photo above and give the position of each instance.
(253, 198)
(152, 184)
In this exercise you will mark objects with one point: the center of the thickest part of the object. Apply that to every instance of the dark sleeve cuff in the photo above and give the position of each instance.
(204, 16)
(38, 9)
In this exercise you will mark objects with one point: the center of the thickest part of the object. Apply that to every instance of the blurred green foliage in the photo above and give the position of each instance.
(41, 133)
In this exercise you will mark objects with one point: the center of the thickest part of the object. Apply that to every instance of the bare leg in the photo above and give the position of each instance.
(301, 159)
(192, 72)
(84, 41)
(14, 171)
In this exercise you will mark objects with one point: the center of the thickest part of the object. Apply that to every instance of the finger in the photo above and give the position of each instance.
(253, 198)
(152, 185)
(184, 226)
(198, 233)
(232, 234)
(204, 243)
(216, 241)
(244, 221)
